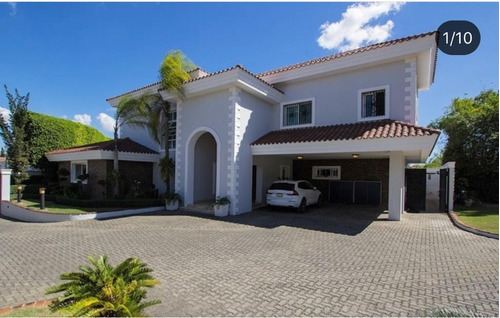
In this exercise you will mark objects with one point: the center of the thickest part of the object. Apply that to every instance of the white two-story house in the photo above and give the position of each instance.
(347, 122)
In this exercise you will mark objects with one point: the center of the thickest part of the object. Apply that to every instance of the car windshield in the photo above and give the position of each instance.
(282, 186)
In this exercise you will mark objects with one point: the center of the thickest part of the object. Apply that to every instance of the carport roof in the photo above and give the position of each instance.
(357, 131)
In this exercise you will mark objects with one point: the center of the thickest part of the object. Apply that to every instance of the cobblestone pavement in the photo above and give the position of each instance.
(336, 261)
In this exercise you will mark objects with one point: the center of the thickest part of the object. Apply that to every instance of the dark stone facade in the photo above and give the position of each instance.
(131, 171)
(350, 169)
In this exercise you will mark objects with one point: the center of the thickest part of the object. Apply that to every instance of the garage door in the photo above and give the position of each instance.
(357, 192)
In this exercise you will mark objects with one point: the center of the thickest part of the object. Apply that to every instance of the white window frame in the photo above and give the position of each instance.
(313, 113)
(316, 168)
(161, 147)
(73, 175)
(387, 102)
(175, 134)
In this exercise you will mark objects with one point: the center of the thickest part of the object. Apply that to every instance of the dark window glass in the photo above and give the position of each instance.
(373, 103)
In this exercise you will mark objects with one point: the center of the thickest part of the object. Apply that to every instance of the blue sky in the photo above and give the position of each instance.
(72, 56)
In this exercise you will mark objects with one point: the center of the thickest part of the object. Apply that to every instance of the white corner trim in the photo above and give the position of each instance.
(313, 111)
(234, 142)
(410, 90)
(387, 102)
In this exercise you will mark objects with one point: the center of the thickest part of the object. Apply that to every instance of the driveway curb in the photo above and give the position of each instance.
(458, 223)
(33, 304)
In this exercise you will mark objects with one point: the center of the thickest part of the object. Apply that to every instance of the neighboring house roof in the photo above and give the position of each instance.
(340, 55)
(365, 130)
(124, 145)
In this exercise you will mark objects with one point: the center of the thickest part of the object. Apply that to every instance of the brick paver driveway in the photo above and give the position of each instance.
(325, 263)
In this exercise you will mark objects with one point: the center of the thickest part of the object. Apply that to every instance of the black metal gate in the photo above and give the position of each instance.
(444, 189)
(416, 183)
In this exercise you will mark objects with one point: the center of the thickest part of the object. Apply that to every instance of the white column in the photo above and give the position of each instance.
(6, 173)
(396, 185)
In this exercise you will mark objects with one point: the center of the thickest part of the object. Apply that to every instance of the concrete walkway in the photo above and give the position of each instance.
(330, 262)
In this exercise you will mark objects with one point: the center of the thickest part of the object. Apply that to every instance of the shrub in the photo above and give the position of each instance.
(104, 290)
(452, 312)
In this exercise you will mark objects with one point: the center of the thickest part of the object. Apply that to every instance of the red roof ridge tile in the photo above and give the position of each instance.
(342, 54)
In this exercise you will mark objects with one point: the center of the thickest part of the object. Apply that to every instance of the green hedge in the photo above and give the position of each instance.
(46, 133)
(131, 203)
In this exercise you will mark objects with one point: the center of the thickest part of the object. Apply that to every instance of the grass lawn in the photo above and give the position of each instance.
(481, 218)
(56, 208)
(32, 312)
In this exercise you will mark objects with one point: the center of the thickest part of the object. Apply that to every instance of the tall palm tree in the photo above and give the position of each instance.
(173, 72)
(104, 290)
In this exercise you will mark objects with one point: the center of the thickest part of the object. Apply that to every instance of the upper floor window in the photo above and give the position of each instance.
(172, 125)
(298, 114)
(374, 103)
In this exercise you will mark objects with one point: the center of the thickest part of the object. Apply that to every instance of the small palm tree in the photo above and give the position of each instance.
(130, 111)
(104, 290)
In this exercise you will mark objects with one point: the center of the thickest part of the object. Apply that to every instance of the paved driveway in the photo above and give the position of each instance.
(326, 263)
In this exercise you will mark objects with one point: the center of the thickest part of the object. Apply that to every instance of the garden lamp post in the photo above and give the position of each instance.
(42, 198)
(19, 188)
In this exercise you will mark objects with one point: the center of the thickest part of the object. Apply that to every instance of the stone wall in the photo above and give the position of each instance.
(97, 170)
(350, 169)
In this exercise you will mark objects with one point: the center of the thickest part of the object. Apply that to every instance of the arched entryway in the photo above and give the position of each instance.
(202, 166)
(205, 167)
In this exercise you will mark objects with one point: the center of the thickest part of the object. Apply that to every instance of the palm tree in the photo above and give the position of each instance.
(104, 290)
(174, 71)
(130, 111)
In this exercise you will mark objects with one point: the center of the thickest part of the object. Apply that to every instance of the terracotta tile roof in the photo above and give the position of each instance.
(203, 77)
(365, 130)
(339, 55)
(124, 145)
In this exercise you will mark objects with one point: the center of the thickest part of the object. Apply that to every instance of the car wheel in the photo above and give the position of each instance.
(302, 206)
(320, 201)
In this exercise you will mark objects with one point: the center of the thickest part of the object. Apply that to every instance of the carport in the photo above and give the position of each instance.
(357, 162)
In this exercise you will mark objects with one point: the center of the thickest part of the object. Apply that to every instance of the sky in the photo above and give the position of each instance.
(72, 56)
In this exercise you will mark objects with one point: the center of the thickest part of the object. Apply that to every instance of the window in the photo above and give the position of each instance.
(374, 103)
(78, 170)
(296, 114)
(172, 125)
(305, 186)
(326, 172)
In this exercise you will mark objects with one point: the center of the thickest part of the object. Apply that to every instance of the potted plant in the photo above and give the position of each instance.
(172, 200)
(221, 206)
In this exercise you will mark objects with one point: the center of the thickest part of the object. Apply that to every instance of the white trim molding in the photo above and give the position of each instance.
(387, 98)
(103, 155)
(189, 163)
(313, 112)
(178, 160)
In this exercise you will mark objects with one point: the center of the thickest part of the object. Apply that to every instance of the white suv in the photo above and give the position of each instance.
(294, 194)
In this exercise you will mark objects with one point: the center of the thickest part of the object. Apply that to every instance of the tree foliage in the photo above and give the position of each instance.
(104, 290)
(13, 132)
(471, 128)
(46, 133)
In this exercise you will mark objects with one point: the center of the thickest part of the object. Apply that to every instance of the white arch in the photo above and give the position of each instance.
(189, 164)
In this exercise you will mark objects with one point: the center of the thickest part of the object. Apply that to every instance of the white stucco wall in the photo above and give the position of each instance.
(337, 95)
(255, 120)
(270, 170)
(195, 116)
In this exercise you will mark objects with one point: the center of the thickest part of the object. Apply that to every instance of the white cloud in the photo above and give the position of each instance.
(83, 119)
(5, 113)
(354, 29)
(13, 8)
(64, 117)
(107, 122)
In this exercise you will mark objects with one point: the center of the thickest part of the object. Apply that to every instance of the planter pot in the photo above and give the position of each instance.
(221, 210)
(171, 205)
